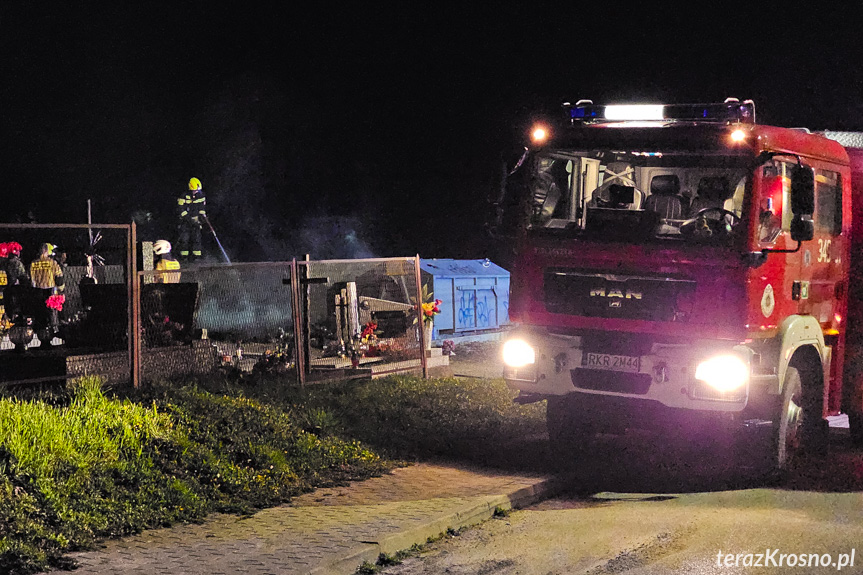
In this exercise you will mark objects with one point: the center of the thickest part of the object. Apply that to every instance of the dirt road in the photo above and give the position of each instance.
(636, 509)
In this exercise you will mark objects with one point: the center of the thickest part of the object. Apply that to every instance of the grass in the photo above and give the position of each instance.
(408, 417)
(385, 560)
(83, 465)
(88, 466)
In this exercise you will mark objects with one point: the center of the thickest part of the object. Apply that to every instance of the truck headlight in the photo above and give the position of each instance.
(518, 353)
(723, 373)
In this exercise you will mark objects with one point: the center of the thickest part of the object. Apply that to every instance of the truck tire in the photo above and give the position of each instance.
(797, 428)
(789, 431)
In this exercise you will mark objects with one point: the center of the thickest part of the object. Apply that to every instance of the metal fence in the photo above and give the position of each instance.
(308, 320)
(237, 318)
(360, 317)
(78, 325)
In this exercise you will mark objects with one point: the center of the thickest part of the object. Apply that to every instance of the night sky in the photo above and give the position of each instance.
(350, 132)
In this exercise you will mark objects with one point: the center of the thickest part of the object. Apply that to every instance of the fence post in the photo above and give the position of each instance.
(423, 359)
(307, 311)
(134, 307)
(299, 337)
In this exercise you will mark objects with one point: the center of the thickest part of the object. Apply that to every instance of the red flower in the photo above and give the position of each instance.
(430, 307)
(10, 248)
(56, 302)
(369, 329)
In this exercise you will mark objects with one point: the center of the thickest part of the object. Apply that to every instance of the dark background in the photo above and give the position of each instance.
(352, 132)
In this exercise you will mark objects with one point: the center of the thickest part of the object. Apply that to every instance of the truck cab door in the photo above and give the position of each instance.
(772, 284)
(820, 290)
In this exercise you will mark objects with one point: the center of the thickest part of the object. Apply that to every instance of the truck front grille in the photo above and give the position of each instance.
(607, 295)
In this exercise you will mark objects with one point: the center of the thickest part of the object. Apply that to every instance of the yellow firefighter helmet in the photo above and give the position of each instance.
(194, 184)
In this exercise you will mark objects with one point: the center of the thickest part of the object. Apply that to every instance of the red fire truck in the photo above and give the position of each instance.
(684, 267)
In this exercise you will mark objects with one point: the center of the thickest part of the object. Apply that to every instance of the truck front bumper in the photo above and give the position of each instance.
(664, 376)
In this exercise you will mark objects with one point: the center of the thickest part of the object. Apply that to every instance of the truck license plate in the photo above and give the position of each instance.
(627, 363)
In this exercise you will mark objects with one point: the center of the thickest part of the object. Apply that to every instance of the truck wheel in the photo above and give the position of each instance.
(789, 432)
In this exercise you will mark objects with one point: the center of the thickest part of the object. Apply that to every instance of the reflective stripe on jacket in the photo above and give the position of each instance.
(167, 265)
(191, 205)
(44, 272)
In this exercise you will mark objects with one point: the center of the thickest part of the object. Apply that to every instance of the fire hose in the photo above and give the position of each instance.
(215, 237)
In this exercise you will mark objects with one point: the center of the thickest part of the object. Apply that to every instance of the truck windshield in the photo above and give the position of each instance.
(639, 196)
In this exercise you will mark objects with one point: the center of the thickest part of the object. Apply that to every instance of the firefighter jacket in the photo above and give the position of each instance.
(168, 265)
(16, 274)
(12, 273)
(46, 273)
(3, 283)
(191, 207)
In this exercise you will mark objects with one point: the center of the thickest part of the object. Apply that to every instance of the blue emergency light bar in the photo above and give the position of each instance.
(729, 112)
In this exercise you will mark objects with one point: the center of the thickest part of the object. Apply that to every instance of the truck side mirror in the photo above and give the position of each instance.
(802, 228)
(802, 191)
(802, 208)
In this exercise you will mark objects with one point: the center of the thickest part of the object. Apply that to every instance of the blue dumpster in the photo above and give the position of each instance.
(474, 295)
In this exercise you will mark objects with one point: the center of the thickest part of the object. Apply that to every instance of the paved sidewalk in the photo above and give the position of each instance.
(327, 531)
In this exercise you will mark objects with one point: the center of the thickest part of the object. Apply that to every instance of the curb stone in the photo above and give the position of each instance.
(435, 526)
(329, 531)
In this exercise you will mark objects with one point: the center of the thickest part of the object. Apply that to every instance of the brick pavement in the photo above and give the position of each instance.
(327, 531)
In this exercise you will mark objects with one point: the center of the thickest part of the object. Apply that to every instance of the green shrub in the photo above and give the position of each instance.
(94, 466)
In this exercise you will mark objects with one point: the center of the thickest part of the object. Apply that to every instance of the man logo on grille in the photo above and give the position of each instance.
(615, 293)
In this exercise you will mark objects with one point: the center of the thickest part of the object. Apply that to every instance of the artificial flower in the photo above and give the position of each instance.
(56, 302)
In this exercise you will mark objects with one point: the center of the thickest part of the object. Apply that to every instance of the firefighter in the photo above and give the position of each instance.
(166, 262)
(15, 275)
(191, 208)
(62, 258)
(47, 276)
(4, 253)
(45, 272)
